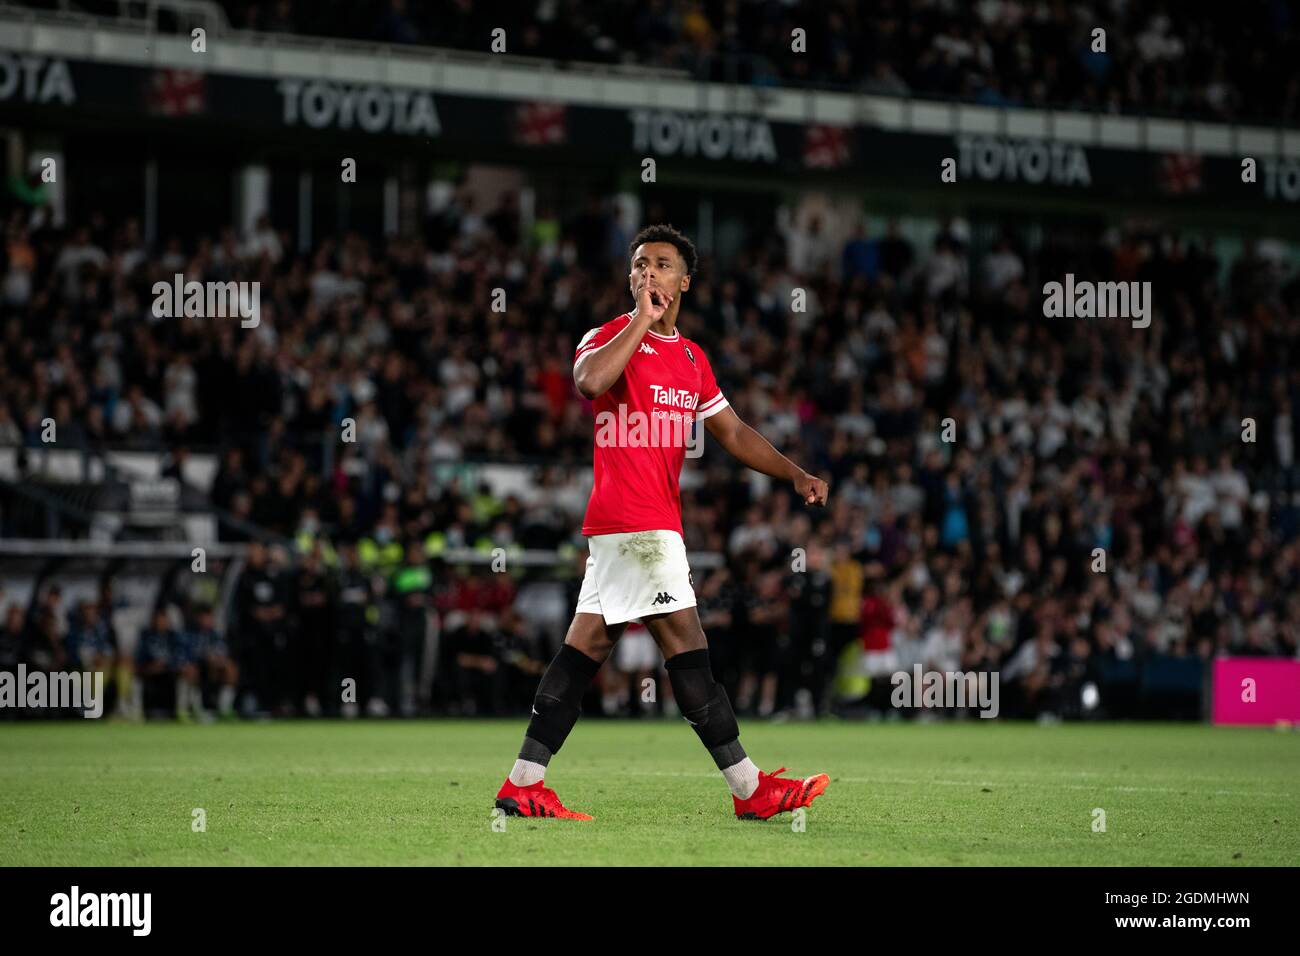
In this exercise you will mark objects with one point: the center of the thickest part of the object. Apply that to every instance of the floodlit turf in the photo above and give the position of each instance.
(421, 793)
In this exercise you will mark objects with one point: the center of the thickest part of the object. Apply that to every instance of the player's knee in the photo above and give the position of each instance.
(595, 641)
(703, 701)
(597, 647)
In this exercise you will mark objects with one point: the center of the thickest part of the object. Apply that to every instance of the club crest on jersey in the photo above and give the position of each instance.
(689, 354)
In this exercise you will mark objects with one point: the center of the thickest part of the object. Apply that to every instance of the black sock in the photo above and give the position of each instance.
(534, 751)
(728, 755)
(558, 703)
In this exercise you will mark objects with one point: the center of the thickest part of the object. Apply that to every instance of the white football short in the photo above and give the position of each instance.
(634, 574)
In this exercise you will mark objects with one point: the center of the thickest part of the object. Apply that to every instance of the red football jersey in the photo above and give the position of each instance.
(643, 425)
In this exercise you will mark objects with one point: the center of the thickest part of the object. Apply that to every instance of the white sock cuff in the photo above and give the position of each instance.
(525, 773)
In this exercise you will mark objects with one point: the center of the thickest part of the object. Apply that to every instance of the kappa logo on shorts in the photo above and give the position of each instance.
(663, 597)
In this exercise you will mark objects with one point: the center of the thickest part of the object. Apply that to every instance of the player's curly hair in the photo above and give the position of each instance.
(665, 233)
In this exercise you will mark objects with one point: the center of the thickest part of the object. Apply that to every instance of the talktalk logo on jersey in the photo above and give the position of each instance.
(674, 397)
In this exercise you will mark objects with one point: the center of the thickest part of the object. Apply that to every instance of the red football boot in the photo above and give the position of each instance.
(775, 794)
(534, 800)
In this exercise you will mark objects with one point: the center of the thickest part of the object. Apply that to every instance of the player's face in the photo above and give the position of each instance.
(661, 265)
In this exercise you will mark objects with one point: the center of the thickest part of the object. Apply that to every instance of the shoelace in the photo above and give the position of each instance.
(791, 790)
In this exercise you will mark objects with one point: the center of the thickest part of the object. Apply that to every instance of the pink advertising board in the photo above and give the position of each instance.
(1275, 689)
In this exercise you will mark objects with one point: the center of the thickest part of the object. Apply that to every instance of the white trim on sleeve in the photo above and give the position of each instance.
(582, 354)
(710, 408)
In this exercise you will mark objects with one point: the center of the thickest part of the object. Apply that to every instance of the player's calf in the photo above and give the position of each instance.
(556, 708)
(706, 707)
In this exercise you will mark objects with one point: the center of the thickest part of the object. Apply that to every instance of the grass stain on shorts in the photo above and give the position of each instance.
(647, 548)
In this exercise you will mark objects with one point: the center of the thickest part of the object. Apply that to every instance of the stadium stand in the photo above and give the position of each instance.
(1199, 59)
(973, 559)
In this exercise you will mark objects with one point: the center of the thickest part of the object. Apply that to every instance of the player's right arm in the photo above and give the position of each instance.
(597, 370)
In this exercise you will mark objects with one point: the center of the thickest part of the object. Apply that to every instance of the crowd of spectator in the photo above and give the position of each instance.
(301, 637)
(978, 454)
(1209, 59)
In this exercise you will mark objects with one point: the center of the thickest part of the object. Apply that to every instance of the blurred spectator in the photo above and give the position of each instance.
(215, 660)
(159, 661)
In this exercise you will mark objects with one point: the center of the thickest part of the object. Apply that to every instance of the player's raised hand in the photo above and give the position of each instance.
(812, 489)
(652, 300)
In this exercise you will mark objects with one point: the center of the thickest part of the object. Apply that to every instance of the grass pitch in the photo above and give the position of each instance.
(421, 792)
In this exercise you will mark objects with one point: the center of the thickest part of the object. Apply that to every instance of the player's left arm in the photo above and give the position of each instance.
(754, 451)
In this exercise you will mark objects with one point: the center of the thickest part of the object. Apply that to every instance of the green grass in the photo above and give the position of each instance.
(421, 793)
